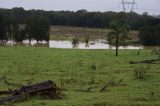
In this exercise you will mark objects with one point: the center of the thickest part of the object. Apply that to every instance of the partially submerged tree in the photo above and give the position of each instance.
(16, 25)
(75, 42)
(38, 28)
(120, 29)
(87, 41)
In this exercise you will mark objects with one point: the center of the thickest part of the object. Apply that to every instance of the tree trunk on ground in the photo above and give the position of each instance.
(46, 88)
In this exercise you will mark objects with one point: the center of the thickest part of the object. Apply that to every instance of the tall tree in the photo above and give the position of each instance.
(119, 29)
(19, 32)
(3, 28)
(38, 28)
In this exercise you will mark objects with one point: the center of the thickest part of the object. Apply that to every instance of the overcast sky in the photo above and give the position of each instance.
(151, 6)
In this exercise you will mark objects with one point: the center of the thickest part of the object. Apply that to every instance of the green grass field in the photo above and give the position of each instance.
(23, 65)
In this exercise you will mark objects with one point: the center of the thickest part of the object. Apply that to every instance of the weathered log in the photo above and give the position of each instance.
(145, 61)
(9, 91)
(39, 87)
(10, 99)
(44, 88)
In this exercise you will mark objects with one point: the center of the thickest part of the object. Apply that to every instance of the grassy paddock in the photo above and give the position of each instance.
(71, 70)
(67, 33)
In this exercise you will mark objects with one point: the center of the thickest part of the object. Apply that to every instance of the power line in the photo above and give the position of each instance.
(147, 9)
(130, 4)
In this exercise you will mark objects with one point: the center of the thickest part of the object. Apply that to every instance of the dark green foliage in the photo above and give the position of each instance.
(38, 28)
(16, 25)
(2, 28)
(150, 34)
(81, 18)
(19, 33)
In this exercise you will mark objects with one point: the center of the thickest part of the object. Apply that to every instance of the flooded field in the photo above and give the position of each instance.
(99, 44)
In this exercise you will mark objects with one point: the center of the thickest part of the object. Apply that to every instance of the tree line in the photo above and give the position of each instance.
(81, 18)
(18, 24)
(149, 34)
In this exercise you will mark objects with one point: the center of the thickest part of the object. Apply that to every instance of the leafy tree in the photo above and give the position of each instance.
(87, 41)
(150, 33)
(18, 14)
(38, 28)
(120, 30)
(75, 42)
(2, 29)
(19, 33)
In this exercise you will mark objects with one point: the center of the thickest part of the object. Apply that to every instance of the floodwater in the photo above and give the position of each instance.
(99, 44)
(92, 45)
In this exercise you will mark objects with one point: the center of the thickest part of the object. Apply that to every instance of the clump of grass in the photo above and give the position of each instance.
(140, 72)
(152, 96)
(93, 69)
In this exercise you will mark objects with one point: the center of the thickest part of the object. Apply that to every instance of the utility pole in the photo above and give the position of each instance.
(130, 4)
(123, 4)
(133, 3)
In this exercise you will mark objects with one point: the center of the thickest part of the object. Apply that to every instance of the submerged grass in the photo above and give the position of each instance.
(71, 70)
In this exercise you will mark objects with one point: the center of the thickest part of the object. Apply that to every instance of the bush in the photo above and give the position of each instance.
(75, 42)
(140, 72)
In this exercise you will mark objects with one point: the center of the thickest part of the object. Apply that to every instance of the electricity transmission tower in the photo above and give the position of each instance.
(128, 4)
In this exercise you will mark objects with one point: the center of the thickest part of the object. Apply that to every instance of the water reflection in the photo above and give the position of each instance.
(99, 44)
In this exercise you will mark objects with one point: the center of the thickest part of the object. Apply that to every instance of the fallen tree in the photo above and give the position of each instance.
(47, 88)
(145, 61)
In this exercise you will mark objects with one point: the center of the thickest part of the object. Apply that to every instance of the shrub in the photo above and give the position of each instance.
(75, 42)
(140, 72)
